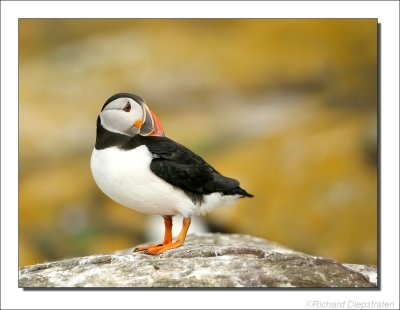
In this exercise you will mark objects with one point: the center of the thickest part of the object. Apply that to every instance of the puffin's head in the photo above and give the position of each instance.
(128, 114)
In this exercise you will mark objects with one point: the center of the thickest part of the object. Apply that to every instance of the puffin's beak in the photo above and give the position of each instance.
(151, 125)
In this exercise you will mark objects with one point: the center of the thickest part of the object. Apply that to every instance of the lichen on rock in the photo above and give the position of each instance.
(205, 260)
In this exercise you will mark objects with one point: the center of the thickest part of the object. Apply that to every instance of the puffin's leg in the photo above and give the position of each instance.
(168, 229)
(167, 235)
(179, 241)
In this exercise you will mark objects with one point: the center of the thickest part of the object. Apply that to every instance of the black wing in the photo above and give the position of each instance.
(182, 168)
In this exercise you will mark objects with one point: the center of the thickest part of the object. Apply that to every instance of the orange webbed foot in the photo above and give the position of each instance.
(146, 248)
(167, 244)
(163, 248)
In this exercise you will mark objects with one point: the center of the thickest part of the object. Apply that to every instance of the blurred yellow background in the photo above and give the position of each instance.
(287, 106)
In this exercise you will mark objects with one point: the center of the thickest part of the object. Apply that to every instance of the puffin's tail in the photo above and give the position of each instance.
(246, 194)
(228, 186)
(240, 191)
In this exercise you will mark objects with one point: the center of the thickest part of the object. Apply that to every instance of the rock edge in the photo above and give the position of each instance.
(205, 261)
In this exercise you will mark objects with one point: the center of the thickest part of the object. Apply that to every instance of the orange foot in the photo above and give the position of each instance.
(147, 247)
(167, 244)
(167, 236)
(163, 247)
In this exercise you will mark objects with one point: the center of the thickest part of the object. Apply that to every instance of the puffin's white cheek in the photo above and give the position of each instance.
(136, 114)
(116, 121)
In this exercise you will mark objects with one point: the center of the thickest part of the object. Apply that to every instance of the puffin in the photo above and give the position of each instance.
(136, 165)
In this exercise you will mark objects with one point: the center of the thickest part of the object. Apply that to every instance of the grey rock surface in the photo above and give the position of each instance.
(205, 260)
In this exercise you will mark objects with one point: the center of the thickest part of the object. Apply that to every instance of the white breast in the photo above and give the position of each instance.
(125, 177)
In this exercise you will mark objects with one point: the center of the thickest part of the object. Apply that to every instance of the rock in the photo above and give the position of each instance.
(206, 260)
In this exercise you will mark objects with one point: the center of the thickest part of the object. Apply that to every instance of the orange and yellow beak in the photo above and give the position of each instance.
(150, 125)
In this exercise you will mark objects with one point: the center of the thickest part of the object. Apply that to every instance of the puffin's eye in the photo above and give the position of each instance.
(127, 107)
